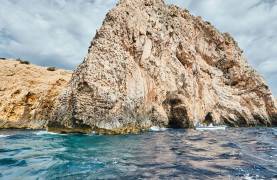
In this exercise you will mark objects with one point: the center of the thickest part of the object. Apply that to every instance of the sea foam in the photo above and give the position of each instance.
(39, 133)
(157, 128)
(3, 136)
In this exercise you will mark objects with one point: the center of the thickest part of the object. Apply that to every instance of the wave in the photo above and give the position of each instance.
(211, 127)
(3, 136)
(157, 129)
(248, 177)
(39, 133)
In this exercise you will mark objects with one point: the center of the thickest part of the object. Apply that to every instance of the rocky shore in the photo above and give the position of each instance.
(28, 93)
(150, 64)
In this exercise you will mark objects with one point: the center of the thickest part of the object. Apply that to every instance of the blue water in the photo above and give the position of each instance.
(244, 153)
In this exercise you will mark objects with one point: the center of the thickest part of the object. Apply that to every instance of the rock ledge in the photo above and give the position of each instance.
(28, 93)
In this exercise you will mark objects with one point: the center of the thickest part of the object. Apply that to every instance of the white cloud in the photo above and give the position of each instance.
(50, 32)
(58, 32)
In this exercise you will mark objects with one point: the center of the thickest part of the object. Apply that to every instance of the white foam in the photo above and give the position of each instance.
(248, 177)
(3, 136)
(209, 128)
(156, 128)
(39, 133)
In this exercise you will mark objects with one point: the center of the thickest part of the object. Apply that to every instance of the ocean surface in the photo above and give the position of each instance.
(242, 153)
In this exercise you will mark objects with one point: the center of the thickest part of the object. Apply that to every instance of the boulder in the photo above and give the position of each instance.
(151, 64)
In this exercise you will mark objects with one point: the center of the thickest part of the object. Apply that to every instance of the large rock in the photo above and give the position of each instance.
(28, 94)
(156, 65)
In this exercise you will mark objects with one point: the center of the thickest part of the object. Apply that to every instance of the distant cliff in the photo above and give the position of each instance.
(151, 64)
(28, 93)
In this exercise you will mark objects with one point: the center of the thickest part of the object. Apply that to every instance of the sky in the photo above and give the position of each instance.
(58, 32)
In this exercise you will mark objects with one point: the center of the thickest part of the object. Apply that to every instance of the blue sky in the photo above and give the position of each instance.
(58, 32)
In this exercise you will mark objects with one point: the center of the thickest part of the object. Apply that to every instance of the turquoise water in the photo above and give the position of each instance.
(170, 154)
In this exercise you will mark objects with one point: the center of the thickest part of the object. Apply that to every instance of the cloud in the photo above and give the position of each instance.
(50, 32)
(58, 32)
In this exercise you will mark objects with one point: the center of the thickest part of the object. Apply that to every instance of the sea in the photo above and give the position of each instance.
(234, 153)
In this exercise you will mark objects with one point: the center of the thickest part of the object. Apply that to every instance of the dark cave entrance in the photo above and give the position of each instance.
(175, 123)
(178, 117)
(176, 113)
(208, 119)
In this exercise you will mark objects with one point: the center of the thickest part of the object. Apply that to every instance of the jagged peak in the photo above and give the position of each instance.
(144, 2)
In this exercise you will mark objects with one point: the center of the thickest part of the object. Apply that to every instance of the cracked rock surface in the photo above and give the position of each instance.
(151, 64)
(28, 94)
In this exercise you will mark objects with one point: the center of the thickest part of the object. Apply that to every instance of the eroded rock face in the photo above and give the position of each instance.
(28, 94)
(153, 64)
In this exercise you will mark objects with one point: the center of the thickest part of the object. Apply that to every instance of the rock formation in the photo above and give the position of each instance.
(151, 64)
(28, 93)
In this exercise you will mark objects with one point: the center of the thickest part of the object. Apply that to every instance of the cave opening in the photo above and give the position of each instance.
(208, 119)
(175, 123)
(176, 112)
(178, 118)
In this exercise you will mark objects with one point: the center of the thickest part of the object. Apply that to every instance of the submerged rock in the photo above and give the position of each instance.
(28, 94)
(151, 64)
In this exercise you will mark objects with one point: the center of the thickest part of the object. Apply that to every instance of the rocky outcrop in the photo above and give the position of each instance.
(28, 93)
(156, 65)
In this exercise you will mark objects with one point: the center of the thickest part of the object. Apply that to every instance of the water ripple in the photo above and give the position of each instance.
(244, 153)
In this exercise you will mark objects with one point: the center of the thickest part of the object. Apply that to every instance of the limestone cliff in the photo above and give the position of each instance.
(154, 64)
(28, 93)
